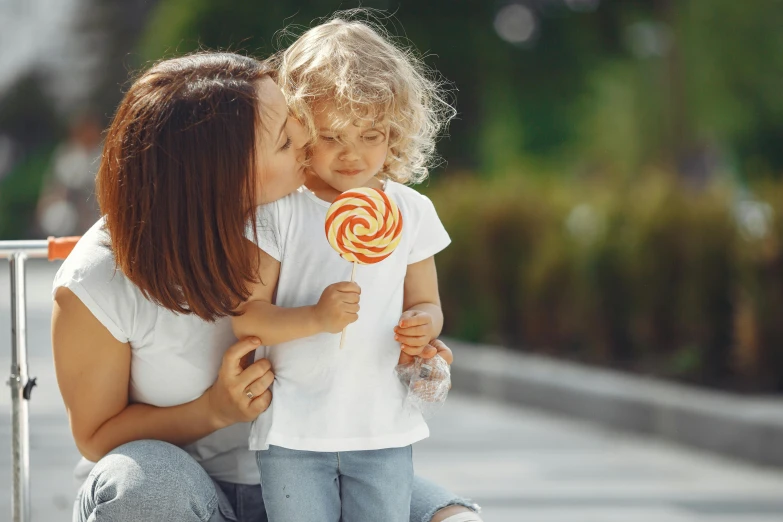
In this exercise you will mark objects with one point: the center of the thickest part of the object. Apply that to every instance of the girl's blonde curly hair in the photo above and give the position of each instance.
(354, 64)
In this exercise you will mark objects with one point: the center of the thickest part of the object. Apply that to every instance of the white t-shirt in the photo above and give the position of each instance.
(326, 398)
(174, 358)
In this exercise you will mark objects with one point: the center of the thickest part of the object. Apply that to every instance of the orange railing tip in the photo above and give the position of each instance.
(60, 247)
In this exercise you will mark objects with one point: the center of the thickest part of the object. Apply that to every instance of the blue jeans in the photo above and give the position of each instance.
(153, 480)
(347, 486)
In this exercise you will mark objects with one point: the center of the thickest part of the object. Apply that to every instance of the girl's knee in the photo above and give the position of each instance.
(456, 514)
(432, 502)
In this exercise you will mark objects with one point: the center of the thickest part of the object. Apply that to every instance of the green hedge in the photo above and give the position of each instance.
(651, 277)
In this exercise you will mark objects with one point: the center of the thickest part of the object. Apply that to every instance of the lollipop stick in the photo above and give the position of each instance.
(342, 337)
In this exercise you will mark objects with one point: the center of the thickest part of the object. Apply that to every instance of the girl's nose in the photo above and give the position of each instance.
(348, 152)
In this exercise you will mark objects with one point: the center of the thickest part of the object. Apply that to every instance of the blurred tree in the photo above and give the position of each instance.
(568, 86)
(733, 54)
(113, 29)
(29, 126)
(617, 83)
(695, 84)
(27, 115)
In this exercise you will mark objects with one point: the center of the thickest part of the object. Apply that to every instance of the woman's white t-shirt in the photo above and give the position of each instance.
(326, 398)
(174, 357)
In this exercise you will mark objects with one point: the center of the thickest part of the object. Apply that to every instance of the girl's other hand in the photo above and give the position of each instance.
(435, 347)
(241, 392)
(414, 331)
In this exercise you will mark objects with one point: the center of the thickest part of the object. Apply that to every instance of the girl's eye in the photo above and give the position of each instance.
(328, 138)
(287, 144)
(373, 138)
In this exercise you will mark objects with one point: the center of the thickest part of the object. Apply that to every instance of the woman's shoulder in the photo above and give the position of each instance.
(91, 273)
(90, 260)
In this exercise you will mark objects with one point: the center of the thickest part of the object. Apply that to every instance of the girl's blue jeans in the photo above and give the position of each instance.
(153, 480)
(345, 486)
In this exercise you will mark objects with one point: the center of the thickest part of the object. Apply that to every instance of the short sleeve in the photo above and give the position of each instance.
(267, 234)
(431, 236)
(91, 274)
(103, 312)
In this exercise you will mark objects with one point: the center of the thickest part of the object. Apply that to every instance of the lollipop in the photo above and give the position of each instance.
(364, 226)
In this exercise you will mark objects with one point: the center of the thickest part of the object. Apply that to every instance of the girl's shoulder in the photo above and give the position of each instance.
(286, 204)
(409, 199)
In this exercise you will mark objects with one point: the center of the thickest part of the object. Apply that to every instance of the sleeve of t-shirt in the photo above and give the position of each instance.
(431, 237)
(90, 273)
(267, 234)
(104, 312)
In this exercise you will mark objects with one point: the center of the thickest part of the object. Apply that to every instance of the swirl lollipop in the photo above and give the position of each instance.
(364, 226)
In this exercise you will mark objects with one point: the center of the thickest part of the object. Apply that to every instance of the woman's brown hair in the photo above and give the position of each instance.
(177, 181)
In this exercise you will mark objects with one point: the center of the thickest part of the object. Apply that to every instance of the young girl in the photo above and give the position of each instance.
(336, 441)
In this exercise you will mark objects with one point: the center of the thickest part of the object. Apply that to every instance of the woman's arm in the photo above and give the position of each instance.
(93, 372)
(422, 319)
(337, 307)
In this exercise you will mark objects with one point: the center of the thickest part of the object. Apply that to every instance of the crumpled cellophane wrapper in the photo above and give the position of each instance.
(428, 382)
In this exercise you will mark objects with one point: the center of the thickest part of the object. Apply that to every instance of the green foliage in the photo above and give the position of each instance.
(591, 218)
(646, 276)
(19, 194)
(632, 84)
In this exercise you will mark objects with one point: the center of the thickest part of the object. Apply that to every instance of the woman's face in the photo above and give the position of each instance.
(281, 146)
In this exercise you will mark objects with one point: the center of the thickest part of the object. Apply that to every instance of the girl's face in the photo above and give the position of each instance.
(350, 157)
(281, 147)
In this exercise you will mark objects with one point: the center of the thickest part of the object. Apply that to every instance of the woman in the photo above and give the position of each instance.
(140, 326)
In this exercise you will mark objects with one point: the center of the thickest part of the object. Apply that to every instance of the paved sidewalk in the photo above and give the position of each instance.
(518, 463)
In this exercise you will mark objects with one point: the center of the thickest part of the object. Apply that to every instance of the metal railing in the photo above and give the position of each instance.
(17, 253)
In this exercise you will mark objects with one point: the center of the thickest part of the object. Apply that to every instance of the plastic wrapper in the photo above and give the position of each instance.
(428, 382)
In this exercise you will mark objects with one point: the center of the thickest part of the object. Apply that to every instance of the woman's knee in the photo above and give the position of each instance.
(148, 480)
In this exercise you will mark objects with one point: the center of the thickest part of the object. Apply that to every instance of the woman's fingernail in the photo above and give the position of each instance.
(255, 340)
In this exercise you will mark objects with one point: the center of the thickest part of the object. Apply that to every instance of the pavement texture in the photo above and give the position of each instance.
(520, 464)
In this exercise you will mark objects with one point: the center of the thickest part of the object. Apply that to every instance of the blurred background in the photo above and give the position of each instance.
(613, 185)
(613, 181)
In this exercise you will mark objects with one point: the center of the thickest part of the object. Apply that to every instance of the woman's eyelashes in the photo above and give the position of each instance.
(287, 144)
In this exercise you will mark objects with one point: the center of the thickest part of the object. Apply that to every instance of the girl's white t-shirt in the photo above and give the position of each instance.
(174, 357)
(326, 398)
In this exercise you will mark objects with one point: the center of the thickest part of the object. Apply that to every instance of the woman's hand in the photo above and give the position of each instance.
(435, 347)
(241, 392)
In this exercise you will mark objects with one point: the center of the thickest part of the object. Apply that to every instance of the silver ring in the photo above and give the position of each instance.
(249, 395)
